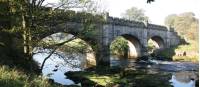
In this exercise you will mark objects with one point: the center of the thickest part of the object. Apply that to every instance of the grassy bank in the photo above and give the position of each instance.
(15, 78)
(176, 53)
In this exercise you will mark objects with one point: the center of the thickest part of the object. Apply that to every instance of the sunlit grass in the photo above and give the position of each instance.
(192, 46)
(186, 58)
(101, 80)
(191, 50)
(15, 78)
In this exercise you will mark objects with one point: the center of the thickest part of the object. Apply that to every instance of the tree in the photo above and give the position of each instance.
(28, 14)
(169, 20)
(119, 47)
(135, 14)
(185, 24)
(29, 21)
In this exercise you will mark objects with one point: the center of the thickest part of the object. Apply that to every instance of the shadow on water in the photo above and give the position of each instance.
(125, 72)
(55, 67)
(158, 73)
(132, 78)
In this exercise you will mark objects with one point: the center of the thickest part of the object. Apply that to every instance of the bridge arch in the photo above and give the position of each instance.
(155, 43)
(82, 51)
(134, 46)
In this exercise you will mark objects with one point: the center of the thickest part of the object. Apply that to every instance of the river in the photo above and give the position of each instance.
(184, 74)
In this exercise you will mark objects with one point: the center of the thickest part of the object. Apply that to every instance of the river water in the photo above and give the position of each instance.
(55, 67)
(184, 74)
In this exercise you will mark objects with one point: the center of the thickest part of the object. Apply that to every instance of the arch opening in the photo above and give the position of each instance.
(67, 44)
(62, 52)
(125, 47)
(155, 43)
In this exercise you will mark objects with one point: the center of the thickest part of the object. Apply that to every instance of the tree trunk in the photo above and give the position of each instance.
(26, 34)
(24, 31)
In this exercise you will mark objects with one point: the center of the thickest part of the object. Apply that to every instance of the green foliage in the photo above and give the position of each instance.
(38, 21)
(187, 25)
(135, 14)
(10, 48)
(151, 47)
(191, 46)
(186, 58)
(11, 51)
(16, 78)
(76, 46)
(191, 50)
(119, 46)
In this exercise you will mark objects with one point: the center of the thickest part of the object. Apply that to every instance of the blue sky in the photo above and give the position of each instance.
(156, 11)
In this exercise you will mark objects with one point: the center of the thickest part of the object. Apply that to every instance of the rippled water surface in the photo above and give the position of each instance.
(55, 68)
(184, 74)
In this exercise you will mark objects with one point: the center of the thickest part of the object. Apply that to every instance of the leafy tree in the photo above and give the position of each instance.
(62, 15)
(135, 14)
(185, 24)
(30, 18)
(169, 20)
(119, 46)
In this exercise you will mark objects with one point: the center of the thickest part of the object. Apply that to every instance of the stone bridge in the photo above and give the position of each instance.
(137, 34)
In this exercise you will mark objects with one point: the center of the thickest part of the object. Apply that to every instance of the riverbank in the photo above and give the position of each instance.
(184, 52)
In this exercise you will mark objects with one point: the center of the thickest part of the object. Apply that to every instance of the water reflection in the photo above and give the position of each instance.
(184, 74)
(122, 62)
(168, 66)
(183, 79)
(55, 67)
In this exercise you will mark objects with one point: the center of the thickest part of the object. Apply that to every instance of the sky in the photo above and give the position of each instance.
(156, 11)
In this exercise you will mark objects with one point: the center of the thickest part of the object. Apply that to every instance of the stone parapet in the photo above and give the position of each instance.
(157, 27)
(124, 22)
(131, 23)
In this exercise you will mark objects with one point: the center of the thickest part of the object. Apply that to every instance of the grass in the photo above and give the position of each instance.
(192, 46)
(191, 50)
(186, 58)
(16, 78)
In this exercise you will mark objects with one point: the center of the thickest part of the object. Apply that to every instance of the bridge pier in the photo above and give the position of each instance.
(103, 57)
(144, 51)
